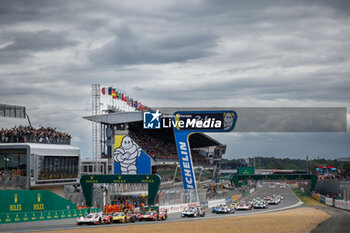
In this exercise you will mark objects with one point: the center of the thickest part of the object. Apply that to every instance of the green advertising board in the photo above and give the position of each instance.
(245, 170)
(36, 205)
(87, 182)
(43, 215)
(15, 201)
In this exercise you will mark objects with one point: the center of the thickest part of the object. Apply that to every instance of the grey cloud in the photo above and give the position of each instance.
(183, 53)
(135, 48)
(21, 45)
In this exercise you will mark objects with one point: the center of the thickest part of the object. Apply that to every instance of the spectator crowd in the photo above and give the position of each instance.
(30, 134)
(161, 150)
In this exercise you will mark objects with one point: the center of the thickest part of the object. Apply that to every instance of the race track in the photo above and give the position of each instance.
(289, 201)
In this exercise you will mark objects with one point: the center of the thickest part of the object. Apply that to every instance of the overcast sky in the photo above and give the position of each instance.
(179, 53)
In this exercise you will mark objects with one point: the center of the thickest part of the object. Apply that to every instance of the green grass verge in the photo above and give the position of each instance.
(309, 201)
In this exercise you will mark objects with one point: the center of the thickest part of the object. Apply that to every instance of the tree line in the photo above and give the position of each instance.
(284, 163)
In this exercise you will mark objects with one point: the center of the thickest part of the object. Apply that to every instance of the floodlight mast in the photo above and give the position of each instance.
(96, 129)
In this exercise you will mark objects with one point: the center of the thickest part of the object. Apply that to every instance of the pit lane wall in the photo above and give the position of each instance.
(44, 215)
(35, 205)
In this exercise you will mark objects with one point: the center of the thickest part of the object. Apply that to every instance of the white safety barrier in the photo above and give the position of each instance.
(329, 201)
(216, 202)
(342, 204)
(251, 190)
(177, 208)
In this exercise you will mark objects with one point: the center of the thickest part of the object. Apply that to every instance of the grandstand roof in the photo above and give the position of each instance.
(197, 140)
(116, 118)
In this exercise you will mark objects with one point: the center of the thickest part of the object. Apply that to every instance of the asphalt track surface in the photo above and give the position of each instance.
(289, 201)
(339, 222)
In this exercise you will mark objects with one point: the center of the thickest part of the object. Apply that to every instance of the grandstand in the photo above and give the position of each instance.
(36, 158)
(159, 144)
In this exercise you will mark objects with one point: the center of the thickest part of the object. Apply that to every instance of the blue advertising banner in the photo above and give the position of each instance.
(185, 159)
(186, 123)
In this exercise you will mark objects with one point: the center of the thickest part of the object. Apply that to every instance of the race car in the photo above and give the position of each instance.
(274, 201)
(193, 211)
(224, 209)
(243, 206)
(268, 199)
(119, 217)
(163, 215)
(131, 216)
(213, 210)
(260, 205)
(150, 216)
(107, 218)
(92, 218)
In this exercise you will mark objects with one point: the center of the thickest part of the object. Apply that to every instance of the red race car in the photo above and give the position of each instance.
(107, 219)
(163, 215)
(150, 216)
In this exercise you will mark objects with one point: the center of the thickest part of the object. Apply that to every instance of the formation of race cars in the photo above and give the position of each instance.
(121, 217)
(191, 211)
(256, 203)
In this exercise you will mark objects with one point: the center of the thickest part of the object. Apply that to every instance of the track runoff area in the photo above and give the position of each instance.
(289, 201)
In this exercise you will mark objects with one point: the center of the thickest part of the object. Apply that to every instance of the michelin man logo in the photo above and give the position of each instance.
(228, 120)
(126, 156)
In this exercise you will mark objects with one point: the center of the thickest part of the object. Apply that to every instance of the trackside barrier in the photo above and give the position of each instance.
(216, 202)
(315, 196)
(341, 204)
(332, 202)
(43, 215)
(251, 190)
(177, 208)
(329, 201)
(236, 197)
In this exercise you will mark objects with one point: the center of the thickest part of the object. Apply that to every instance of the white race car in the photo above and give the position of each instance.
(92, 218)
(193, 211)
(243, 206)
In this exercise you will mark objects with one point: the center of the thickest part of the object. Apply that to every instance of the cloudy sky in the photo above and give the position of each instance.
(179, 53)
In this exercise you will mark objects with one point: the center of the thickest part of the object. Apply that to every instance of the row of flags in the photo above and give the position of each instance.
(119, 95)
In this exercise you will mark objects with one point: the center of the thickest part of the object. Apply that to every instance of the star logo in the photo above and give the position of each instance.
(151, 120)
(155, 115)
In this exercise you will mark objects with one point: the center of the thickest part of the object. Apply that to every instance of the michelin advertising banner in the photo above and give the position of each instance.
(187, 123)
(129, 158)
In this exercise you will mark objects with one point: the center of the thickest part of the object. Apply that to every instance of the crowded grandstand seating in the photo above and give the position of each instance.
(161, 150)
(30, 134)
(343, 175)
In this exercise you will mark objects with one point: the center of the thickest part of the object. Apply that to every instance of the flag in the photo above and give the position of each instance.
(109, 90)
(103, 90)
(114, 95)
